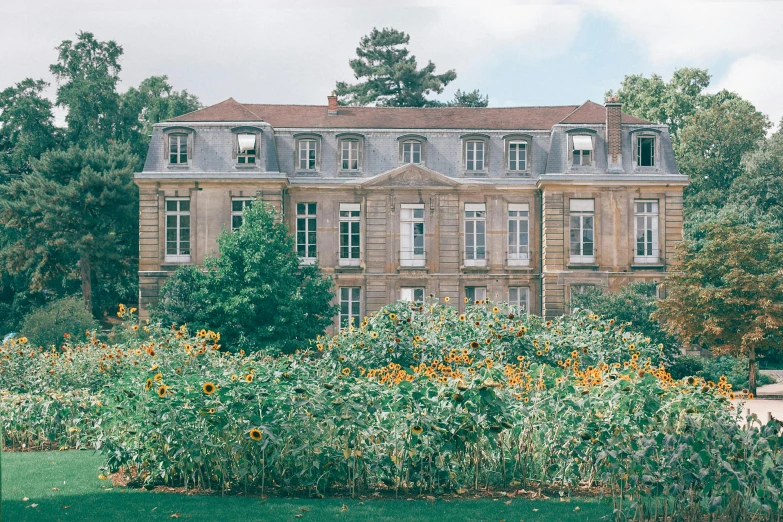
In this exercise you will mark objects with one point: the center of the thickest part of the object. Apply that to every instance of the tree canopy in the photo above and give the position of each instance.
(389, 76)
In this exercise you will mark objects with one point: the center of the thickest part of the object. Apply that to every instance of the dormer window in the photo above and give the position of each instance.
(307, 154)
(178, 149)
(582, 151)
(246, 149)
(517, 155)
(645, 151)
(411, 152)
(474, 155)
(350, 155)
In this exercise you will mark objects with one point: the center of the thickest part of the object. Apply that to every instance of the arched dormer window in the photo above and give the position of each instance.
(475, 153)
(350, 148)
(178, 145)
(412, 148)
(518, 152)
(581, 148)
(308, 151)
(247, 145)
(645, 148)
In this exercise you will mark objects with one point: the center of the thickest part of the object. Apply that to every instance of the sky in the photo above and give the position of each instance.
(518, 53)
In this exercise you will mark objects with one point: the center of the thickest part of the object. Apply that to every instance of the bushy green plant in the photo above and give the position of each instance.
(686, 365)
(57, 321)
(255, 292)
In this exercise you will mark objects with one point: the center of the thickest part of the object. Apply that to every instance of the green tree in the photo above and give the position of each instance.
(153, 101)
(87, 72)
(255, 292)
(468, 99)
(77, 212)
(389, 75)
(48, 325)
(634, 304)
(26, 127)
(727, 293)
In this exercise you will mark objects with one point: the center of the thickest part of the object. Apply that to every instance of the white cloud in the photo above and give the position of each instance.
(759, 79)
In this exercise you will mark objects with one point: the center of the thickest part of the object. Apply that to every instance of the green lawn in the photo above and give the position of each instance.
(65, 486)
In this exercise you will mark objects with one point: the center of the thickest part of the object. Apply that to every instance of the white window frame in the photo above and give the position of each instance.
(350, 252)
(307, 224)
(239, 213)
(473, 150)
(351, 297)
(519, 148)
(479, 294)
(475, 222)
(519, 298)
(308, 154)
(180, 254)
(581, 220)
(409, 155)
(646, 222)
(413, 235)
(639, 151)
(408, 294)
(349, 152)
(581, 151)
(518, 234)
(180, 142)
(246, 156)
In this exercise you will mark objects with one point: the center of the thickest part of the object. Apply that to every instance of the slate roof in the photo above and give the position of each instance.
(316, 116)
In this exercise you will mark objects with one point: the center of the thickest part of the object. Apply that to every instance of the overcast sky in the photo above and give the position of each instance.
(519, 53)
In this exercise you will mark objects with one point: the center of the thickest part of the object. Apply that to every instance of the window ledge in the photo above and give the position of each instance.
(307, 173)
(647, 170)
(521, 268)
(252, 166)
(582, 266)
(349, 268)
(474, 268)
(178, 166)
(176, 260)
(350, 173)
(518, 173)
(476, 173)
(648, 266)
(412, 269)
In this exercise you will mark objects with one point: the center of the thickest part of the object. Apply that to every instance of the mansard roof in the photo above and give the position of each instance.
(491, 118)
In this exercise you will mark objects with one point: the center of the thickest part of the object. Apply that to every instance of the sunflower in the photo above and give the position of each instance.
(346, 371)
(527, 399)
(211, 411)
(539, 353)
(416, 430)
(574, 354)
(233, 377)
(393, 316)
(495, 310)
(255, 434)
(374, 335)
(208, 388)
(447, 299)
(474, 345)
(163, 390)
(148, 386)
(158, 377)
(249, 377)
(520, 358)
(462, 317)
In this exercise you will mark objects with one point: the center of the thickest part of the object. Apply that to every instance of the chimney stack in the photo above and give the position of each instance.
(332, 99)
(614, 143)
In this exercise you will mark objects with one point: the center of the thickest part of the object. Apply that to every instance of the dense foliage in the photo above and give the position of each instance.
(168, 406)
(255, 290)
(56, 322)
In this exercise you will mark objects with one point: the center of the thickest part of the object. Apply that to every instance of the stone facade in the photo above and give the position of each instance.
(584, 166)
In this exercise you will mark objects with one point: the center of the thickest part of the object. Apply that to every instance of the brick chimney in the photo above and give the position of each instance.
(614, 145)
(332, 99)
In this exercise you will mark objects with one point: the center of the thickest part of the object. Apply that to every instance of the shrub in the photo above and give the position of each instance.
(49, 326)
(686, 365)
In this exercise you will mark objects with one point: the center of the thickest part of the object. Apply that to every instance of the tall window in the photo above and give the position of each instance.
(519, 298)
(412, 234)
(246, 149)
(350, 306)
(178, 149)
(307, 154)
(517, 155)
(305, 232)
(238, 206)
(349, 234)
(413, 294)
(350, 154)
(646, 231)
(475, 234)
(474, 155)
(411, 152)
(582, 230)
(583, 151)
(178, 230)
(475, 294)
(645, 151)
(518, 234)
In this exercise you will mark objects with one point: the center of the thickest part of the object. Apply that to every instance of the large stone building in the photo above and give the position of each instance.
(526, 204)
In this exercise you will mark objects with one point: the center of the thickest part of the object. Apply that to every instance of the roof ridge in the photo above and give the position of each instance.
(424, 108)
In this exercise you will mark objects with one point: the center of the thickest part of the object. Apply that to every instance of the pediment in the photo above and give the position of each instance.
(410, 175)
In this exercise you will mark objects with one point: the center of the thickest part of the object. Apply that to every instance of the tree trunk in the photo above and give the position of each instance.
(86, 272)
(752, 368)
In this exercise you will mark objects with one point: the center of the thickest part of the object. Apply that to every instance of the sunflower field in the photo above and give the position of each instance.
(416, 399)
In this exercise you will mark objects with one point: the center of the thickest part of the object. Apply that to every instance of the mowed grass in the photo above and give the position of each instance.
(63, 486)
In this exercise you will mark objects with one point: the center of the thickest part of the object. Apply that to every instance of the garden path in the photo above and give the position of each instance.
(771, 390)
